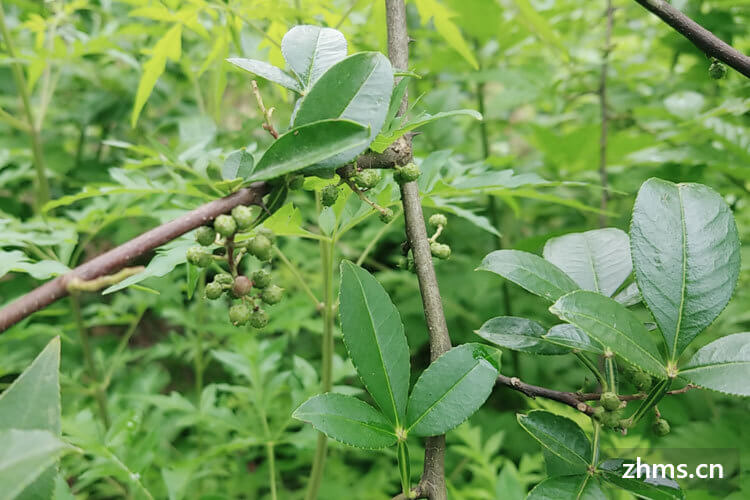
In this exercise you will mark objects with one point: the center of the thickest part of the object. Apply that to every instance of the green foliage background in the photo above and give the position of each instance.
(137, 110)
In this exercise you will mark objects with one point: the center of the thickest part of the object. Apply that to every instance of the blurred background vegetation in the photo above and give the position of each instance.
(136, 109)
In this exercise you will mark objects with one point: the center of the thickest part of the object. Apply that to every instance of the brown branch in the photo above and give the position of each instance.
(572, 399)
(706, 41)
(397, 154)
(432, 483)
(117, 258)
(604, 114)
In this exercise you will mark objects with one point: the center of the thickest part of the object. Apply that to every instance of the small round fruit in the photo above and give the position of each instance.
(661, 427)
(260, 246)
(386, 216)
(224, 279)
(610, 419)
(440, 250)
(609, 401)
(198, 256)
(717, 70)
(267, 233)
(225, 225)
(367, 178)
(642, 381)
(296, 182)
(205, 235)
(258, 318)
(213, 291)
(243, 217)
(272, 294)
(328, 195)
(241, 286)
(239, 314)
(261, 278)
(437, 220)
(407, 173)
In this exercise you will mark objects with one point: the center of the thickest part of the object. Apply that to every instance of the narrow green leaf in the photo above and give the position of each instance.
(451, 389)
(597, 260)
(24, 455)
(653, 488)
(613, 326)
(687, 257)
(519, 334)
(529, 271)
(310, 50)
(573, 337)
(723, 365)
(309, 144)
(442, 17)
(357, 88)
(395, 103)
(560, 435)
(575, 487)
(267, 71)
(537, 24)
(374, 336)
(383, 140)
(238, 164)
(348, 420)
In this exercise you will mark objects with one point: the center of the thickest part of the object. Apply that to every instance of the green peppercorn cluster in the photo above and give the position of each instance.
(640, 379)
(247, 294)
(438, 222)
(609, 414)
(717, 70)
(407, 173)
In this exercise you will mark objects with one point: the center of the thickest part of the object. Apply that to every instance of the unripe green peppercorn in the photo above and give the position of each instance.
(213, 291)
(224, 279)
(386, 216)
(367, 178)
(642, 381)
(198, 256)
(225, 225)
(258, 318)
(243, 217)
(241, 286)
(239, 314)
(261, 278)
(407, 173)
(260, 246)
(272, 294)
(609, 401)
(661, 427)
(440, 250)
(205, 235)
(296, 182)
(717, 70)
(267, 233)
(328, 195)
(437, 220)
(610, 419)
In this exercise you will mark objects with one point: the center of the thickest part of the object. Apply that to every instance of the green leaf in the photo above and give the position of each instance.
(32, 402)
(654, 488)
(613, 326)
(167, 258)
(519, 334)
(560, 435)
(530, 272)
(687, 257)
(357, 88)
(267, 71)
(374, 336)
(168, 47)
(395, 104)
(451, 389)
(575, 487)
(310, 50)
(597, 260)
(238, 164)
(24, 455)
(537, 24)
(442, 18)
(309, 144)
(723, 365)
(348, 420)
(383, 140)
(573, 337)
(629, 296)
(287, 221)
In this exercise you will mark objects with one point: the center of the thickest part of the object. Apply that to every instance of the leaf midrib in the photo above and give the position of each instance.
(713, 365)
(562, 445)
(347, 419)
(684, 275)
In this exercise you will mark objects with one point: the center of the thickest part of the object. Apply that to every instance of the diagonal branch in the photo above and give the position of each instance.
(706, 41)
(117, 258)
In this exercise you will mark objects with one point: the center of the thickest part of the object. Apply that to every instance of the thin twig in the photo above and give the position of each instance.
(706, 41)
(362, 196)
